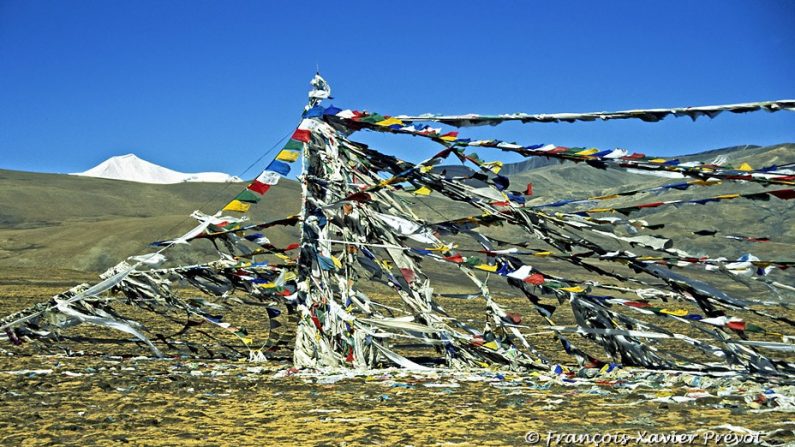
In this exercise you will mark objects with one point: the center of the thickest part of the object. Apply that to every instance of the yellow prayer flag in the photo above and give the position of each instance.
(675, 312)
(658, 160)
(493, 166)
(575, 289)
(727, 196)
(600, 210)
(336, 262)
(745, 167)
(287, 155)
(237, 206)
(543, 253)
(282, 256)
(486, 267)
(491, 345)
(389, 122)
(425, 169)
(704, 182)
(609, 196)
(423, 191)
(590, 151)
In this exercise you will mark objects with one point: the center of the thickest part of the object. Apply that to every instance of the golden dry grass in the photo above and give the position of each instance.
(96, 399)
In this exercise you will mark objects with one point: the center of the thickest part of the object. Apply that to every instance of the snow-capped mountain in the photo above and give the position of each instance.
(133, 169)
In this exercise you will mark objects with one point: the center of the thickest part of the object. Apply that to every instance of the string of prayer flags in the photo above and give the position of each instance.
(648, 115)
(783, 194)
(277, 168)
(619, 158)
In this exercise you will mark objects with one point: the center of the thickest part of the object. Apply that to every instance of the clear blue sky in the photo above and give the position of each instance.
(199, 86)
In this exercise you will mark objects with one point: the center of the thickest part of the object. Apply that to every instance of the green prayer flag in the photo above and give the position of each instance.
(247, 196)
(372, 119)
(294, 145)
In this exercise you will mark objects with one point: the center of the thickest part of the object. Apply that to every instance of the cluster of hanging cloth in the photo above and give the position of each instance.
(358, 227)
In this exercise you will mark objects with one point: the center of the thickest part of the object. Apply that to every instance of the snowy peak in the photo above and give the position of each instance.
(133, 169)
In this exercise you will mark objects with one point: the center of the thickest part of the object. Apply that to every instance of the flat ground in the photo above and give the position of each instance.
(94, 398)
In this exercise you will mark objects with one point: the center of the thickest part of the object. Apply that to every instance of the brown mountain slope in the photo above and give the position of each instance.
(53, 221)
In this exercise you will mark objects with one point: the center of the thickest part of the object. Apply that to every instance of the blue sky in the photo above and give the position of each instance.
(199, 86)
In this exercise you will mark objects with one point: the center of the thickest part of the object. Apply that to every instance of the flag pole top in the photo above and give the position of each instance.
(320, 90)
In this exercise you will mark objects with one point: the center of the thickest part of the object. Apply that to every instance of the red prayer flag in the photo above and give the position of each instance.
(258, 187)
(736, 325)
(783, 194)
(408, 274)
(650, 205)
(316, 320)
(359, 197)
(535, 279)
(477, 340)
(529, 190)
(457, 258)
(634, 156)
(514, 317)
(301, 135)
(636, 304)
